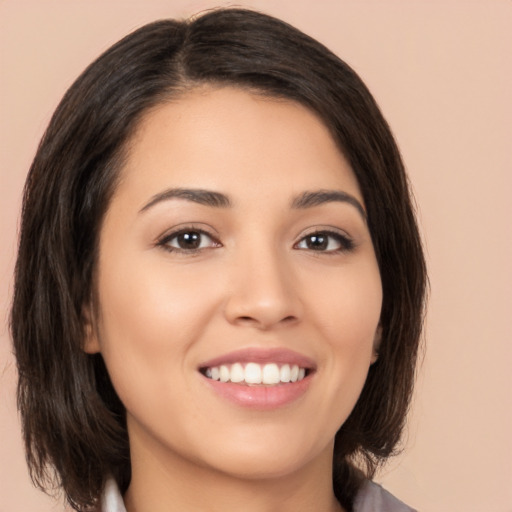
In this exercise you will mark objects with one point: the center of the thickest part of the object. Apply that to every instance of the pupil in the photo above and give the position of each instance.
(189, 240)
(317, 242)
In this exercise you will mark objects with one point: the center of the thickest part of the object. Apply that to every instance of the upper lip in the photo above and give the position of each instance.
(261, 356)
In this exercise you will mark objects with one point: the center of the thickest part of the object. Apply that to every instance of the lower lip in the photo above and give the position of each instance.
(260, 397)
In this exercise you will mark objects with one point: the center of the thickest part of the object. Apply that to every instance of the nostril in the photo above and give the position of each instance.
(287, 319)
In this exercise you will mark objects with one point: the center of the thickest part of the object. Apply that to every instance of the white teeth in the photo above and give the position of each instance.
(271, 374)
(224, 373)
(237, 373)
(253, 373)
(285, 373)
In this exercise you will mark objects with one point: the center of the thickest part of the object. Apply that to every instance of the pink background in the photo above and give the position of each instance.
(442, 73)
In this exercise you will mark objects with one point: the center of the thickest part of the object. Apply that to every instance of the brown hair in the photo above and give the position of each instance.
(73, 422)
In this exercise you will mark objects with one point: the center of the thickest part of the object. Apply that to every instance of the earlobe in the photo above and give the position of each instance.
(376, 344)
(90, 343)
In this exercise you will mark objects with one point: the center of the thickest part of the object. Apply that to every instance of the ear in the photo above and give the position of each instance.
(91, 343)
(376, 344)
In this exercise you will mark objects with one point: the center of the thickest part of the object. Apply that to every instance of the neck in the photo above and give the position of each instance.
(167, 482)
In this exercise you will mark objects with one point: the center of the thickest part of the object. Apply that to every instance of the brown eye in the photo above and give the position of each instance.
(325, 241)
(188, 241)
(318, 242)
(191, 240)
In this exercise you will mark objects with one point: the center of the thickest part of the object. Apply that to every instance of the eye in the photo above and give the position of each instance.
(325, 241)
(188, 240)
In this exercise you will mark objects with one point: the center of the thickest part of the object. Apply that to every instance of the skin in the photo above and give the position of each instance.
(255, 282)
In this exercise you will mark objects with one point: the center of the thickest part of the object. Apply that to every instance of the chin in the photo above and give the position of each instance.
(267, 460)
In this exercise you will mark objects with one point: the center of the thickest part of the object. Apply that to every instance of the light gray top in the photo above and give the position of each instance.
(371, 498)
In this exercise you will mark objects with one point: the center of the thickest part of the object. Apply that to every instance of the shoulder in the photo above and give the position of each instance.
(373, 498)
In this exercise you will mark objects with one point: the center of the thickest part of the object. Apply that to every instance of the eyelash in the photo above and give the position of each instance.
(165, 241)
(345, 243)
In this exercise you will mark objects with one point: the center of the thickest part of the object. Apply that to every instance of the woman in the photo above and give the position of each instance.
(220, 281)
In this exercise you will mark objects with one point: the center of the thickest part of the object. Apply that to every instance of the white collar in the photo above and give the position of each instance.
(111, 500)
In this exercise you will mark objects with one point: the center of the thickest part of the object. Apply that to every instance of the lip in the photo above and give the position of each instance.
(260, 397)
(261, 356)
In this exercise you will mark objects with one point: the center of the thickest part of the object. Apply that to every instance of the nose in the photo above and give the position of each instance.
(263, 292)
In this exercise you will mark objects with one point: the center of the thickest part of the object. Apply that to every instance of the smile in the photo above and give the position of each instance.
(269, 374)
(257, 378)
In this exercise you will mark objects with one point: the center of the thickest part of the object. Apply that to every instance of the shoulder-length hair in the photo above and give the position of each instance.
(73, 422)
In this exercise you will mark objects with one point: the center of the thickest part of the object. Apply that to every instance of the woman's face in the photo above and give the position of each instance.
(238, 290)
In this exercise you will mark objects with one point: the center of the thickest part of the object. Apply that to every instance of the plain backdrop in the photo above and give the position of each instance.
(442, 74)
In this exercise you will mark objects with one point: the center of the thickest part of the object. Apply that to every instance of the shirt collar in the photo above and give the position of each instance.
(111, 500)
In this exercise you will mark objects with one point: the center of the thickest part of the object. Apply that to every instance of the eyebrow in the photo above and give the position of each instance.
(319, 197)
(196, 195)
(308, 199)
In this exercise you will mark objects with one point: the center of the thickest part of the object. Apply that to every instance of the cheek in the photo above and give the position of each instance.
(348, 317)
(349, 305)
(145, 294)
(149, 319)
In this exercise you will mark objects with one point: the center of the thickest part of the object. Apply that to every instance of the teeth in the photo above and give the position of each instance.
(253, 373)
(271, 374)
(215, 373)
(237, 373)
(285, 373)
(224, 373)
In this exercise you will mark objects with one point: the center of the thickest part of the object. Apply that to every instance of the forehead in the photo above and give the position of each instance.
(225, 138)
